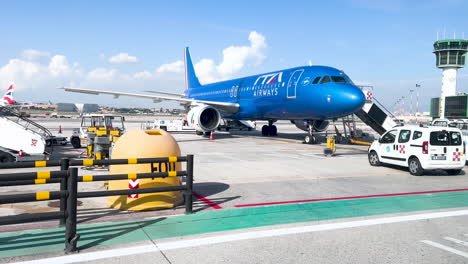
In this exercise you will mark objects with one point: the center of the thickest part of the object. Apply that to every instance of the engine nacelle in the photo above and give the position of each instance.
(204, 118)
(317, 125)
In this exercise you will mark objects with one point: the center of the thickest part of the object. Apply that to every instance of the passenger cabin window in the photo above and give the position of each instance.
(444, 138)
(316, 80)
(417, 134)
(405, 136)
(389, 137)
(338, 79)
(325, 79)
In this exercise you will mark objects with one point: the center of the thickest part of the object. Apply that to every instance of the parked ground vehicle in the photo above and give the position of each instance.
(90, 123)
(227, 124)
(420, 148)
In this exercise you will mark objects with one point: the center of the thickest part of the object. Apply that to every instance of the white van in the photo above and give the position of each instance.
(420, 149)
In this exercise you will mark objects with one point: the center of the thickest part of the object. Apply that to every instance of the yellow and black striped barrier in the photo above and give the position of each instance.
(40, 176)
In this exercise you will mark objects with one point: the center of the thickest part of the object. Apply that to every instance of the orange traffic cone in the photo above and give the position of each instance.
(211, 135)
(60, 130)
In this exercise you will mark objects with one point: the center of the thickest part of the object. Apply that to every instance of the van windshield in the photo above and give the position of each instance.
(444, 138)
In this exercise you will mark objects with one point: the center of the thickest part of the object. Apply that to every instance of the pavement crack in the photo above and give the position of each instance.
(155, 245)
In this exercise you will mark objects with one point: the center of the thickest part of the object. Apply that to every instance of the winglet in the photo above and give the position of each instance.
(191, 80)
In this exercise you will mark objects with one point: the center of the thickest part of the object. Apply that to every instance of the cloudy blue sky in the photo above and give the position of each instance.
(138, 45)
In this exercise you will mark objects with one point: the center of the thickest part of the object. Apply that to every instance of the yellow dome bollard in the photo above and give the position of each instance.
(145, 144)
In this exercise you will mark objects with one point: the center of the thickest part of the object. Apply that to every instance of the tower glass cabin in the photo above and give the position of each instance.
(450, 56)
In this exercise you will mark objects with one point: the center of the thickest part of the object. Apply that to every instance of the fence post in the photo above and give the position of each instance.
(189, 183)
(64, 165)
(71, 238)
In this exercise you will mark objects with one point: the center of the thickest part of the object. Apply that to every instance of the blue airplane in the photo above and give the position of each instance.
(308, 96)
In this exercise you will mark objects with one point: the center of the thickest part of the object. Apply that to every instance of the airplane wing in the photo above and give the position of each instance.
(164, 93)
(223, 106)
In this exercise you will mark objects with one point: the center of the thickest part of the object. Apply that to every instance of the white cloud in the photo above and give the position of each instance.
(102, 74)
(142, 75)
(235, 58)
(59, 65)
(34, 55)
(123, 58)
(175, 67)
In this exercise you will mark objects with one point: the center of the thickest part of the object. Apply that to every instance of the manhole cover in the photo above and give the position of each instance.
(56, 204)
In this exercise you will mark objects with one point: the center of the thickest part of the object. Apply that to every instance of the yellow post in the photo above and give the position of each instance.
(145, 144)
(331, 146)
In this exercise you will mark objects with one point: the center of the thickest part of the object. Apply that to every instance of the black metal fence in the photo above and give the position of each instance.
(68, 194)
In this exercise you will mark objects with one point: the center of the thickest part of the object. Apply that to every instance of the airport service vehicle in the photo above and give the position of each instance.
(171, 125)
(22, 139)
(227, 125)
(309, 96)
(420, 148)
(98, 133)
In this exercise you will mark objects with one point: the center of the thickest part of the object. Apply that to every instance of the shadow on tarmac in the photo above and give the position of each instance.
(426, 173)
(89, 236)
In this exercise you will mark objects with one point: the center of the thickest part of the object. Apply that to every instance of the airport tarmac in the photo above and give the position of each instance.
(268, 200)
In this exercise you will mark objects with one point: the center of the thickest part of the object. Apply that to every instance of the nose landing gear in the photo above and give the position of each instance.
(270, 129)
(310, 138)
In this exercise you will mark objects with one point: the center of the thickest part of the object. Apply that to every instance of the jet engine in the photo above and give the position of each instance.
(317, 125)
(204, 118)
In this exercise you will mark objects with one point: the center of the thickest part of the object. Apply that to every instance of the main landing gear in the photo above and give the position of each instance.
(270, 130)
(310, 138)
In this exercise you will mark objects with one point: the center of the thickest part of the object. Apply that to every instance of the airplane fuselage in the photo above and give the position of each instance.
(289, 94)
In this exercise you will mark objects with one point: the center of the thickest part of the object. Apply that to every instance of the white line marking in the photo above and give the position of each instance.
(461, 242)
(119, 252)
(449, 249)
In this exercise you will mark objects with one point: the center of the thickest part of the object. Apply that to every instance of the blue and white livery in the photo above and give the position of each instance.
(309, 96)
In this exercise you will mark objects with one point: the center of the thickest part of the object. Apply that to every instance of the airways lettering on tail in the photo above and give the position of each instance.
(8, 97)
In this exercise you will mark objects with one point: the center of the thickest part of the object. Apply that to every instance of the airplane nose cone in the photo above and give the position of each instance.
(356, 99)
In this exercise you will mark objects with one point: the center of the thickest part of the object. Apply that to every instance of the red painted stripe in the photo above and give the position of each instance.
(206, 201)
(349, 197)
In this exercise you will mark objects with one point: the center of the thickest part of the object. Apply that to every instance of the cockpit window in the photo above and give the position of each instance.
(339, 79)
(325, 80)
(316, 80)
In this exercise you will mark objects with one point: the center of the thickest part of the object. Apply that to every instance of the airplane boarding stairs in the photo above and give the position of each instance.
(376, 116)
(19, 133)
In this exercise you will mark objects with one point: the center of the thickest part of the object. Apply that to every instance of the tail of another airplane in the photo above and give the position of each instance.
(8, 97)
(191, 80)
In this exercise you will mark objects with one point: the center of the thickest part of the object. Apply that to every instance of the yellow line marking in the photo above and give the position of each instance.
(132, 161)
(172, 159)
(39, 181)
(42, 196)
(40, 163)
(88, 162)
(43, 174)
(132, 176)
(87, 178)
(172, 173)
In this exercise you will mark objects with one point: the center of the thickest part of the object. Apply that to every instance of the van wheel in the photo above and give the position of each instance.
(374, 159)
(414, 167)
(453, 172)
(6, 157)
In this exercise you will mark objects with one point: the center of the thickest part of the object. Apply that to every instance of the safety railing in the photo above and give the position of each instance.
(68, 194)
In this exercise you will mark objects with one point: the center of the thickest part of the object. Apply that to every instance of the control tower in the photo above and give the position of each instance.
(450, 56)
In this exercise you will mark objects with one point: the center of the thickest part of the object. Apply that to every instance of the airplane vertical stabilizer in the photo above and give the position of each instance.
(191, 80)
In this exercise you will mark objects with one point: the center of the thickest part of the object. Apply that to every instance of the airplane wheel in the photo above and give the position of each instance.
(265, 130)
(273, 131)
(199, 133)
(310, 139)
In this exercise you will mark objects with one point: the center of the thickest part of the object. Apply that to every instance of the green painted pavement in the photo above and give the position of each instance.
(52, 240)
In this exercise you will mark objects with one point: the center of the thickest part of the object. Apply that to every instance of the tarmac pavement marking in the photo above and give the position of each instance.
(449, 249)
(461, 242)
(119, 252)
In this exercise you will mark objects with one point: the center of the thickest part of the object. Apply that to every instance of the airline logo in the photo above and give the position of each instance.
(269, 78)
(8, 97)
